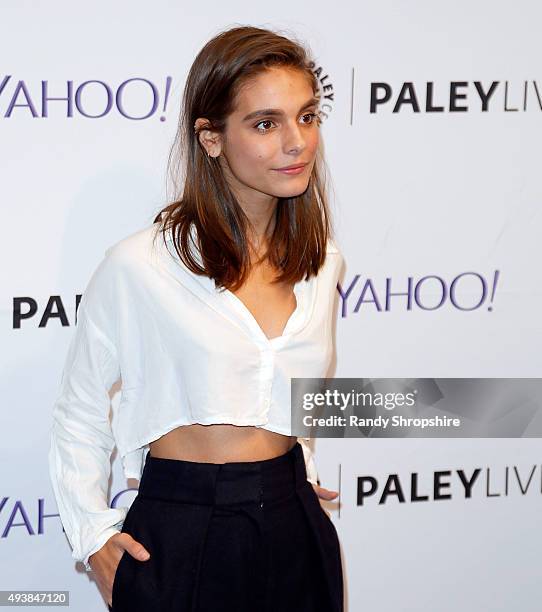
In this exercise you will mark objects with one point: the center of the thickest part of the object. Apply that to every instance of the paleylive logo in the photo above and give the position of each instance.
(25, 308)
(448, 484)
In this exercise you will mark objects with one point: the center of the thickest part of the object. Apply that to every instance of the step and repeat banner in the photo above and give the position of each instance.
(431, 126)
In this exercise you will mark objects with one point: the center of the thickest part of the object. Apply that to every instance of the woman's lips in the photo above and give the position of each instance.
(298, 170)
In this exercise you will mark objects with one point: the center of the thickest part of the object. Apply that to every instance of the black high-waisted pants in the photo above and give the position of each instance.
(232, 537)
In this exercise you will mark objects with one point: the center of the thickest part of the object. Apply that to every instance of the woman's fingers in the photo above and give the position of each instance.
(323, 493)
(135, 548)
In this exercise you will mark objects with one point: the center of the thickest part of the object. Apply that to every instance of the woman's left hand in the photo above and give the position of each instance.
(326, 494)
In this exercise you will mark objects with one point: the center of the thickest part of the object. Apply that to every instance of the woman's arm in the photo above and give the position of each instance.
(81, 436)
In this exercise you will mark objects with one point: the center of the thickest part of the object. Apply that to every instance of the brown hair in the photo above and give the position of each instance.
(297, 246)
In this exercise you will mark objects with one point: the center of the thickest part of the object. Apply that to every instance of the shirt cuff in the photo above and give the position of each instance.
(310, 465)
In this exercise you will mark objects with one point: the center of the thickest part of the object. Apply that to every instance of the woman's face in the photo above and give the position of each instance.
(274, 125)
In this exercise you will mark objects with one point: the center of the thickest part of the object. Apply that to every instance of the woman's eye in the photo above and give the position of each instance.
(313, 118)
(264, 121)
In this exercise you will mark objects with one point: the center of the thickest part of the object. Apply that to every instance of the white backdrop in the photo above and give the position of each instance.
(417, 192)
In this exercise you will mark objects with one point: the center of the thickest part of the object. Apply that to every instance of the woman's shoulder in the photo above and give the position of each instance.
(334, 251)
(134, 247)
(331, 246)
(124, 259)
(334, 259)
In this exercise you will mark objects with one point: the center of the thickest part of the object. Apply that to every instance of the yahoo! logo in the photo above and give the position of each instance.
(73, 99)
(467, 291)
(31, 517)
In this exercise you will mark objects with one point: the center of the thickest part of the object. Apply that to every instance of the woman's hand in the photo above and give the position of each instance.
(326, 494)
(104, 562)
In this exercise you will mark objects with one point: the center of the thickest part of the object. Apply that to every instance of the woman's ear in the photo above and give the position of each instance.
(209, 139)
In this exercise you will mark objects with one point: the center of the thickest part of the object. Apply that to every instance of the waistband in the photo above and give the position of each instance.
(176, 480)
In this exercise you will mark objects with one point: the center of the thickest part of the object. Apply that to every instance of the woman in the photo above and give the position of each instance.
(206, 328)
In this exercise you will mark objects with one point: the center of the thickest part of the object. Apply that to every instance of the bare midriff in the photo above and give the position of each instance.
(271, 305)
(221, 443)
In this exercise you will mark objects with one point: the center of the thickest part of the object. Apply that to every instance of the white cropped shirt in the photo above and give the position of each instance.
(185, 352)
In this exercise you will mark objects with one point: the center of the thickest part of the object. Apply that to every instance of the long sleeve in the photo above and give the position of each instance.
(81, 436)
(310, 464)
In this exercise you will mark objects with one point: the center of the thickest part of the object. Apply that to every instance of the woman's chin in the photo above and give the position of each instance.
(291, 191)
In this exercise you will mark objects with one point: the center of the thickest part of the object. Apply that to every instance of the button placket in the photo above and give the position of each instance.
(266, 376)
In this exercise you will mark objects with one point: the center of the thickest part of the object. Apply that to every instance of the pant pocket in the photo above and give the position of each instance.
(327, 540)
(131, 589)
(117, 577)
(122, 561)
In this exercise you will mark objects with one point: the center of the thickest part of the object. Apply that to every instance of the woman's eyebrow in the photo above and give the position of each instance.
(277, 111)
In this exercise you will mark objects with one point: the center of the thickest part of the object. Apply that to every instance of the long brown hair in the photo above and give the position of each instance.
(297, 246)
